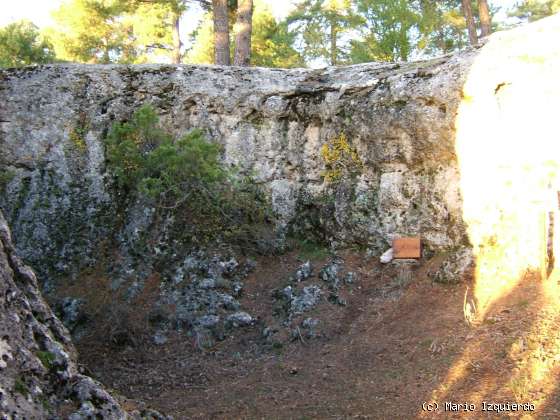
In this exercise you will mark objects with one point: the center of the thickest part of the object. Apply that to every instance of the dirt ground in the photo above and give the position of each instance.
(402, 341)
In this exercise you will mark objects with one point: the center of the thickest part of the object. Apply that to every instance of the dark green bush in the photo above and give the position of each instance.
(129, 146)
(185, 174)
(178, 169)
(145, 159)
(47, 359)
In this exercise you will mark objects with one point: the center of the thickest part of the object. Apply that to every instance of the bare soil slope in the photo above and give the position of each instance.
(400, 341)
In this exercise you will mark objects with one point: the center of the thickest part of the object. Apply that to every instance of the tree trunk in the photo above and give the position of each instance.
(221, 33)
(243, 30)
(177, 44)
(106, 57)
(467, 11)
(334, 55)
(485, 19)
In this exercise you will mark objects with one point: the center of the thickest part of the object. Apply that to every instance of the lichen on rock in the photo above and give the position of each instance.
(39, 372)
(397, 120)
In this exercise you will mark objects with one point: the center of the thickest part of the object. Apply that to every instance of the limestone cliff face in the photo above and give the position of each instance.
(39, 377)
(400, 117)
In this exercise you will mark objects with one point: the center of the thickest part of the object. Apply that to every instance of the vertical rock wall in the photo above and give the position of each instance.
(400, 117)
(39, 376)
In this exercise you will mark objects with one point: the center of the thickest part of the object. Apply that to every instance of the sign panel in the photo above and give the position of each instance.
(407, 248)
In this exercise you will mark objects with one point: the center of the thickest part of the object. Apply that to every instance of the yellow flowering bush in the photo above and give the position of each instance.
(341, 159)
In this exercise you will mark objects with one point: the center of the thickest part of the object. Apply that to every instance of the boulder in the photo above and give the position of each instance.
(39, 375)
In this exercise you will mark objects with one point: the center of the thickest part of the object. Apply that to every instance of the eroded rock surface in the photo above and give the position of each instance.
(61, 202)
(39, 376)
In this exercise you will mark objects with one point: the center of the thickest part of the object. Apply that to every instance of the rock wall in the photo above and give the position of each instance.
(39, 377)
(400, 117)
(507, 143)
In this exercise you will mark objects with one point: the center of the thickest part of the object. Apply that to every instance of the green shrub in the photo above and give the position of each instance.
(20, 387)
(185, 174)
(311, 250)
(177, 169)
(145, 159)
(47, 359)
(130, 143)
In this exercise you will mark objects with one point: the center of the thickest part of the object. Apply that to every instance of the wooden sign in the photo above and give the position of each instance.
(407, 248)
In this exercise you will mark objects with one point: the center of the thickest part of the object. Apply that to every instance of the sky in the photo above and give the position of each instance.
(37, 11)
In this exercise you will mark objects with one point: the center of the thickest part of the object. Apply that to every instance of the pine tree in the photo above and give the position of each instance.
(321, 25)
(169, 13)
(202, 40)
(441, 26)
(271, 42)
(387, 33)
(89, 31)
(469, 19)
(22, 45)
(532, 10)
(107, 31)
(221, 32)
(485, 18)
(243, 29)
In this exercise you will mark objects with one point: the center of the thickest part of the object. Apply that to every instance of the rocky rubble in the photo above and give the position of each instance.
(300, 296)
(203, 292)
(39, 375)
